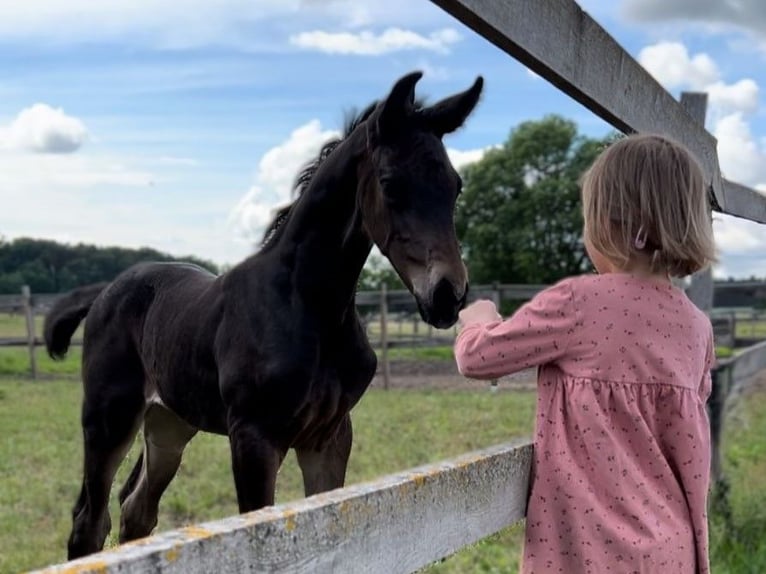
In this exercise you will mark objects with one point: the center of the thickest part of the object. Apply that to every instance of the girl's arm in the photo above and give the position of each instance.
(538, 333)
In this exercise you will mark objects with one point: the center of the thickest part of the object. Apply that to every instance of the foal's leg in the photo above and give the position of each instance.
(111, 416)
(255, 460)
(325, 469)
(165, 437)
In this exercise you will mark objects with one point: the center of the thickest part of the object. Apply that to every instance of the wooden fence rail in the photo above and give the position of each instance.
(393, 525)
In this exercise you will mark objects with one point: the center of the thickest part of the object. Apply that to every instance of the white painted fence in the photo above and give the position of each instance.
(396, 524)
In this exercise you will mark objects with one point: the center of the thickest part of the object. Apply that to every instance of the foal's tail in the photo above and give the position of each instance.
(64, 317)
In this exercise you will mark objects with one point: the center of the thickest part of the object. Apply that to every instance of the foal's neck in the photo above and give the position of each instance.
(324, 237)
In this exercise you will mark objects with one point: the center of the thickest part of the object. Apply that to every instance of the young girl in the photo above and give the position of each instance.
(622, 442)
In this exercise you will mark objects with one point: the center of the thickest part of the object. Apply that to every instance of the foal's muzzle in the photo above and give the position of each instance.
(441, 306)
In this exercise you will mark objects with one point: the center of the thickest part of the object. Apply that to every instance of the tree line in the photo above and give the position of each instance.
(52, 267)
(518, 218)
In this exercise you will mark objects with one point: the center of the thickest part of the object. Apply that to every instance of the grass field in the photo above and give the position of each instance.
(40, 460)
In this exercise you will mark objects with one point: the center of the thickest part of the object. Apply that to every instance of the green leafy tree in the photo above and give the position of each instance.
(519, 216)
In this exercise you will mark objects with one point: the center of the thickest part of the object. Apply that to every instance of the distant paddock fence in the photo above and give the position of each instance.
(392, 320)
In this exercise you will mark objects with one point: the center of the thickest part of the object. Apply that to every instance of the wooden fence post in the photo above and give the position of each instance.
(496, 296)
(700, 292)
(384, 335)
(29, 314)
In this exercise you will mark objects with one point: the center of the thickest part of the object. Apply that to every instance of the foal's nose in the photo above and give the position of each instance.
(446, 301)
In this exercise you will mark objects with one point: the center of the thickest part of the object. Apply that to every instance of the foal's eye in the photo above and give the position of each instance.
(394, 190)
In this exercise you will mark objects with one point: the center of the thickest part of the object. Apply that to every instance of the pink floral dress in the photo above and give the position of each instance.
(622, 440)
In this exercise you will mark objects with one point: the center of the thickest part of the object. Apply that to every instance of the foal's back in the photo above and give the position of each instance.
(153, 329)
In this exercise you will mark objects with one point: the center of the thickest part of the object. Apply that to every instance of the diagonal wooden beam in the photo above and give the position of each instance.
(562, 43)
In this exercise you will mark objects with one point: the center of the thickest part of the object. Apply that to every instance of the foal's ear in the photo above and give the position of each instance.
(398, 105)
(449, 114)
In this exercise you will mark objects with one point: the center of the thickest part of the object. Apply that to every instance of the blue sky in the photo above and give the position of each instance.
(180, 124)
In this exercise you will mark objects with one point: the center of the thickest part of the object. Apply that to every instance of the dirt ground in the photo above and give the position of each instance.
(444, 375)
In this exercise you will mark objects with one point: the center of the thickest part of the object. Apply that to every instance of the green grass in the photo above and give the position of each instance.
(750, 328)
(739, 547)
(16, 326)
(40, 461)
(14, 362)
(441, 353)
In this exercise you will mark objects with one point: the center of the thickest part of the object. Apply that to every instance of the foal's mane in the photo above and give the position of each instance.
(306, 174)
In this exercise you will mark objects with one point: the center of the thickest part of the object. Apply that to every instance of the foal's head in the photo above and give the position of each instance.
(409, 195)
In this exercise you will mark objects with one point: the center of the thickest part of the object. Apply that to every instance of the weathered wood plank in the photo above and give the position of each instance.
(746, 366)
(700, 290)
(563, 44)
(744, 202)
(24, 342)
(393, 525)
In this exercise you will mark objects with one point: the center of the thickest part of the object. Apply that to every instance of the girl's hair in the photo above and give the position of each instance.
(645, 194)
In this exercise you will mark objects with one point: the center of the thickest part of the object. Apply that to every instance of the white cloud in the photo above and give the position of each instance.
(366, 13)
(741, 95)
(741, 244)
(275, 177)
(367, 43)
(43, 129)
(278, 168)
(671, 65)
(741, 156)
(462, 158)
(733, 235)
(742, 159)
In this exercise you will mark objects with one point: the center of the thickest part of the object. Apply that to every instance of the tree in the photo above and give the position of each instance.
(519, 216)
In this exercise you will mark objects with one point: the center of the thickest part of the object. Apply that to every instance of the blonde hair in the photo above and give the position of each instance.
(649, 187)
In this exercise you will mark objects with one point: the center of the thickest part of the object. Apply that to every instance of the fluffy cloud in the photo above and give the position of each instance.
(367, 43)
(43, 129)
(276, 173)
(275, 177)
(741, 156)
(365, 13)
(672, 65)
(461, 158)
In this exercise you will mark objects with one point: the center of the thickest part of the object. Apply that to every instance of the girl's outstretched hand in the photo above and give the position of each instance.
(481, 311)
